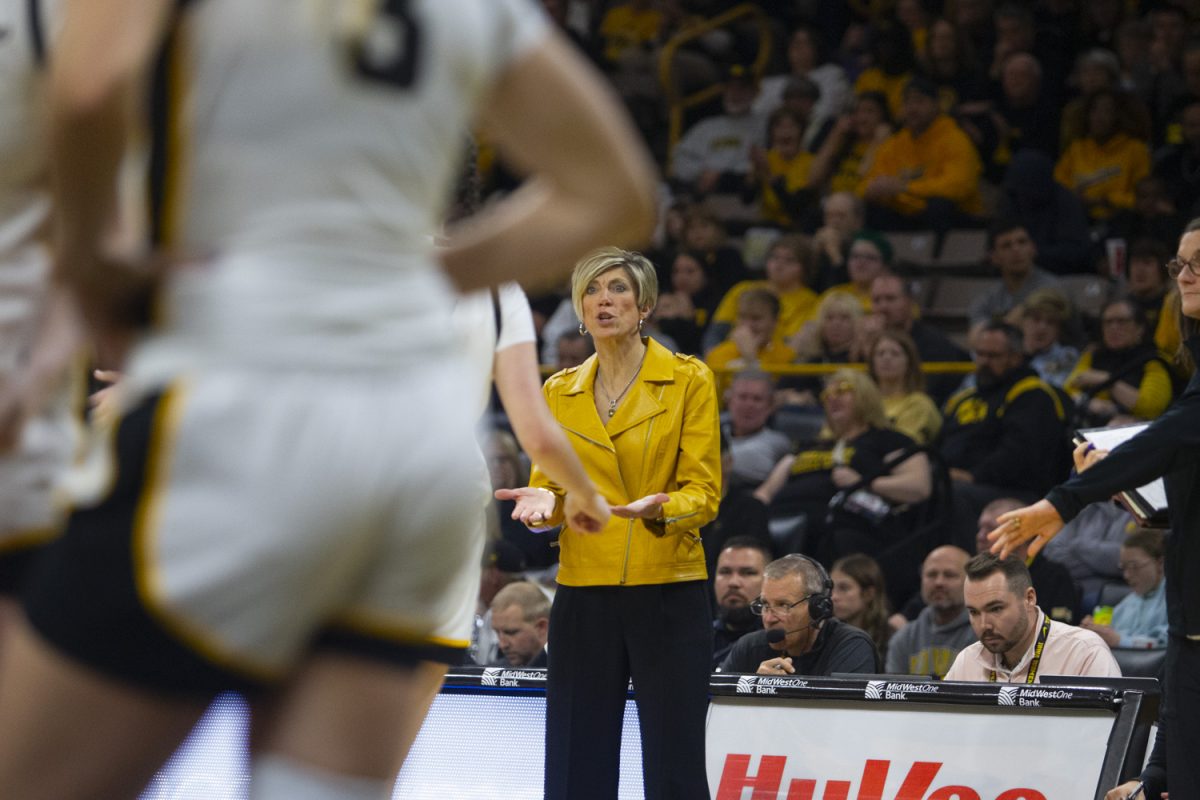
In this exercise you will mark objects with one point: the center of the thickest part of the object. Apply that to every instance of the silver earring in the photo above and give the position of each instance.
(641, 324)
(582, 330)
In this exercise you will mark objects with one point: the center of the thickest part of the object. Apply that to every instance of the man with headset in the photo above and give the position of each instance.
(800, 634)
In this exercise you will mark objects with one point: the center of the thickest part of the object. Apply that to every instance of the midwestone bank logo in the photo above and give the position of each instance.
(892, 690)
(767, 684)
(1030, 696)
(499, 676)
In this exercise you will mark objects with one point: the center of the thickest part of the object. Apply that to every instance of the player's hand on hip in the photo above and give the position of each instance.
(587, 512)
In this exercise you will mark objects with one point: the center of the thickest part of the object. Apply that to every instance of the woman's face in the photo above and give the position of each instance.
(849, 601)
(1187, 281)
(838, 330)
(888, 360)
(1120, 327)
(838, 399)
(687, 275)
(1039, 332)
(610, 309)
(1141, 571)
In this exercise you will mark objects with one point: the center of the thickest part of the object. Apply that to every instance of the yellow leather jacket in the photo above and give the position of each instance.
(664, 437)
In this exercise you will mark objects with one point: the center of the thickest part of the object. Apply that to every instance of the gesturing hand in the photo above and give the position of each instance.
(534, 506)
(1039, 522)
(648, 507)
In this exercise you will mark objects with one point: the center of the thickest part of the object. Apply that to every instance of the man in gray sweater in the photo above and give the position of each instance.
(928, 644)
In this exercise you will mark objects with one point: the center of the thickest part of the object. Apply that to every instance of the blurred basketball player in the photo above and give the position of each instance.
(286, 511)
(38, 332)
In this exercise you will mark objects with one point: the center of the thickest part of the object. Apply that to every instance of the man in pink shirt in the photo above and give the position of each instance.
(1017, 642)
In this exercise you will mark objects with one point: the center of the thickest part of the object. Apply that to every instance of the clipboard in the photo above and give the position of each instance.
(1148, 504)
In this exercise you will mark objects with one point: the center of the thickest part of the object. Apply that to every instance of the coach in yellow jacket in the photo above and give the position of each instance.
(631, 601)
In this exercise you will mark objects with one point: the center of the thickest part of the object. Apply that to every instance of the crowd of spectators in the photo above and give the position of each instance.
(1071, 136)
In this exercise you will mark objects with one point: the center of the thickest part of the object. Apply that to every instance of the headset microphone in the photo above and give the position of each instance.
(777, 635)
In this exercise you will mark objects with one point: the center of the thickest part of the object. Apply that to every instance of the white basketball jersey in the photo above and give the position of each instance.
(301, 170)
(24, 189)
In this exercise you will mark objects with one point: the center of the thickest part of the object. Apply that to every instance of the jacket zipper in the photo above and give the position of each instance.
(629, 530)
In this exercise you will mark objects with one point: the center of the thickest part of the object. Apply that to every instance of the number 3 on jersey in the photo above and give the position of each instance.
(390, 48)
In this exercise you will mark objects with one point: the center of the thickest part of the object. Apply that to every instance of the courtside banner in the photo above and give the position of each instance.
(900, 743)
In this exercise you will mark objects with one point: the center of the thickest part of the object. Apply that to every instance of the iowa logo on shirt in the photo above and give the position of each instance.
(971, 411)
(819, 460)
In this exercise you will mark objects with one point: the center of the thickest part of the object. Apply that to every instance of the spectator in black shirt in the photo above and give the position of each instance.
(872, 468)
(737, 584)
(1053, 215)
(1179, 164)
(994, 429)
(796, 603)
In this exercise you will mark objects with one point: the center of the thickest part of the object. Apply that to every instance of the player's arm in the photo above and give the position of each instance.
(519, 384)
(58, 339)
(591, 180)
(98, 66)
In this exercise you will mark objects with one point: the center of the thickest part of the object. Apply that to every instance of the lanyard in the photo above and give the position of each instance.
(1038, 646)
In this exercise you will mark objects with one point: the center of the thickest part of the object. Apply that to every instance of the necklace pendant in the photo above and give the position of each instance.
(612, 407)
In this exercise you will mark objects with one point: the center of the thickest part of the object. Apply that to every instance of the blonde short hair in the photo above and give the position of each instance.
(640, 270)
(868, 403)
(838, 300)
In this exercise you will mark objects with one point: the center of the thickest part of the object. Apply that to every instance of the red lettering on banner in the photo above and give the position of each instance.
(874, 777)
(837, 790)
(918, 780)
(957, 792)
(736, 777)
(802, 789)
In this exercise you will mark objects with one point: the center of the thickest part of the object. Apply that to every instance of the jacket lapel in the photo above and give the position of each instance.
(643, 400)
(578, 408)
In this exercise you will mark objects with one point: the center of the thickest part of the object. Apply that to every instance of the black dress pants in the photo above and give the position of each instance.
(660, 635)
(1182, 716)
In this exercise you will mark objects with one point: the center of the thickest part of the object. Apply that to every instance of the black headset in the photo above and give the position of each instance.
(820, 604)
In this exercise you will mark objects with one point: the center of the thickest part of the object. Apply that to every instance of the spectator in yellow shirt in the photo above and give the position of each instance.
(789, 265)
(753, 341)
(780, 175)
(1104, 166)
(926, 175)
(1123, 374)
